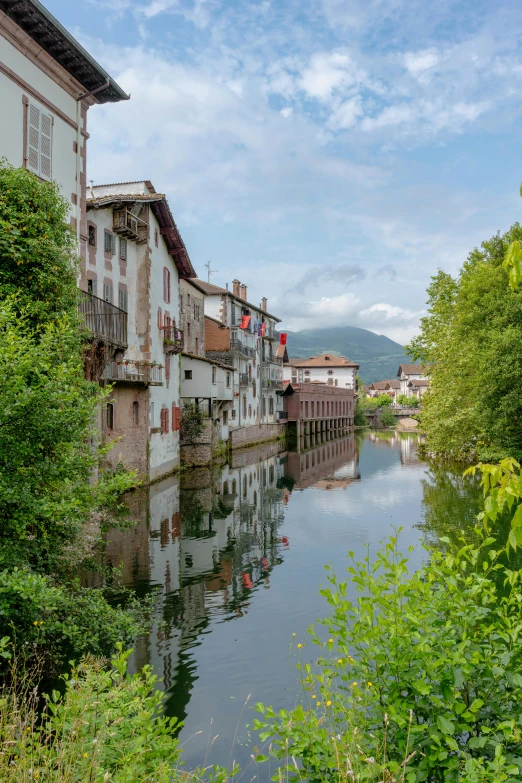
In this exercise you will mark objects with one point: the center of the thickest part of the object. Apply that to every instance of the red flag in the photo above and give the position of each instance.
(262, 330)
(245, 321)
(282, 338)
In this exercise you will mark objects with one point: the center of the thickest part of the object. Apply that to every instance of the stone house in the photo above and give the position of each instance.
(136, 259)
(192, 318)
(327, 368)
(417, 388)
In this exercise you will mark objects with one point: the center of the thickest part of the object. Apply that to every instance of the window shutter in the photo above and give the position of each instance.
(176, 418)
(33, 140)
(108, 242)
(166, 419)
(46, 129)
(113, 243)
(160, 320)
(122, 300)
(123, 249)
(107, 293)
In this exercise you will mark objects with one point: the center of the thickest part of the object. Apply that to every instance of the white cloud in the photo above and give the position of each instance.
(327, 72)
(417, 63)
(347, 114)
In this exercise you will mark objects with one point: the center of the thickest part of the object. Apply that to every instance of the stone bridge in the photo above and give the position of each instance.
(400, 413)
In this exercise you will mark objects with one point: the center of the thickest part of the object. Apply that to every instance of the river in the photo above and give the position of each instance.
(236, 556)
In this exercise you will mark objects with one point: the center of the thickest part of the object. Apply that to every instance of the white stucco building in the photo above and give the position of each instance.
(47, 84)
(135, 260)
(210, 385)
(412, 372)
(328, 368)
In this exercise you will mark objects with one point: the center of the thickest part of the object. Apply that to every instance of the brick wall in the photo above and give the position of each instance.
(217, 337)
(243, 436)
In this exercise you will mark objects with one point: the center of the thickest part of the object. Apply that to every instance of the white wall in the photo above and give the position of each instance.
(64, 159)
(345, 376)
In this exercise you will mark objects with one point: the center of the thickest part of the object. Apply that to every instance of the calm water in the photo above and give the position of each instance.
(236, 558)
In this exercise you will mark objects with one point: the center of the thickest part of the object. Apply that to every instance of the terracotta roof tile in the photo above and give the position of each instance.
(411, 369)
(325, 360)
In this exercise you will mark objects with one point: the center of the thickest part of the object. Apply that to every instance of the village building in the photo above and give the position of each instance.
(318, 407)
(136, 259)
(48, 82)
(327, 368)
(417, 388)
(242, 336)
(410, 372)
(392, 388)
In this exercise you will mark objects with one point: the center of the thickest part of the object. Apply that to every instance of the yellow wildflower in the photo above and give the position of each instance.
(370, 684)
(314, 696)
(85, 755)
(330, 641)
(299, 645)
(354, 684)
(339, 660)
(318, 703)
(328, 703)
(35, 622)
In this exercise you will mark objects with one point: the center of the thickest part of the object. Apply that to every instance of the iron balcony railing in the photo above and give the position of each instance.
(134, 372)
(244, 379)
(106, 321)
(238, 346)
(273, 373)
(270, 383)
(172, 339)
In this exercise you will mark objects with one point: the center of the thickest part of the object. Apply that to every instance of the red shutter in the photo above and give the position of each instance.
(176, 418)
(168, 286)
(160, 318)
(166, 419)
(164, 283)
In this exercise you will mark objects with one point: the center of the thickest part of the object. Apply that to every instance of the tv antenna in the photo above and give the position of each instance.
(210, 271)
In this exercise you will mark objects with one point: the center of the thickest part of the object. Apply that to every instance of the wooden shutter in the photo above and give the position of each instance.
(160, 319)
(113, 244)
(166, 419)
(123, 249)
(108, 242)
(176, 418)
(46, 129)
(123, 299)
(33, 140)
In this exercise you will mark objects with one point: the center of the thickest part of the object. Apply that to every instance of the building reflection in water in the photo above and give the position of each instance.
(205, 542)
(407, 442)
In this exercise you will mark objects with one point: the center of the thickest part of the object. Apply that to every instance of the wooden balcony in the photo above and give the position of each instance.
(133, 372)
(130, 226)
(173, 341)
(105, 321)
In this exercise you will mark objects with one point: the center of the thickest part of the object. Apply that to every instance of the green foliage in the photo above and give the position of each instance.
(387, 418)
(408, 402)
(191, 423)
(359, 418)
(106, 728)
(419, 679)
(38, 262)
(472, 341)
(56, 622)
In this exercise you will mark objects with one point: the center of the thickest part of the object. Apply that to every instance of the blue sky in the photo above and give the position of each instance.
(330, 154)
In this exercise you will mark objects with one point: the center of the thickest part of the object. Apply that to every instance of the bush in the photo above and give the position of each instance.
(359, 418)
(191, 423)
(106, 727)
(420, 677)
(387, 418)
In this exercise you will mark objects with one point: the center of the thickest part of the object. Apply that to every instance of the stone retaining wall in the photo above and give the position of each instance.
(257, 433)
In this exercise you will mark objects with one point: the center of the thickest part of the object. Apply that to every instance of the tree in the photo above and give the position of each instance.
(472, 341)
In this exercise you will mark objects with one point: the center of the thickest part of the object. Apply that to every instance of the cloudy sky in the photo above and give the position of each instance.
(331, 154)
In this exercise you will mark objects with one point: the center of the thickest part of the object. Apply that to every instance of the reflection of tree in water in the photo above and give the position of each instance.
(194, 518)
(451, 504)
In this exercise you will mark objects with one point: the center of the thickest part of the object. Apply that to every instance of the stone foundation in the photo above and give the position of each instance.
(257, 433)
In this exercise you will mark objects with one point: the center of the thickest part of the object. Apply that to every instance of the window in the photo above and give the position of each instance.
(152, 415)
(122, 300)
(294, 378)
(225, 417)
(109, 243)
(156, 237)
(213, 374)
(135, 413)
(92, 236)
(91, 286)
(253, 389)
(39, 142)
(188, 375)
(188, 328)
(107, 293)
(164, 421)
(110, 416)
(228, 380)
(176, 418)
(249, 411)
(330, 372)
(166, 284)
(233, 414)
(123, 249)
(271, 406)
(244, 407)
(336, 382)
(197, 349)
(307, 372)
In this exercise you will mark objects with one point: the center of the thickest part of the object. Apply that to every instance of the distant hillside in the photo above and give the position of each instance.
(378, 356)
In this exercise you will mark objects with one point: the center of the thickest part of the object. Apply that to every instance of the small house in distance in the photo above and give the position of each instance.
(411, 372)
(392, 388)
(327, 368)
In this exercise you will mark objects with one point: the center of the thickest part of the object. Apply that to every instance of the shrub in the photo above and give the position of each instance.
(387, 418)
(107, 726)
(420, 677)
(191, 423)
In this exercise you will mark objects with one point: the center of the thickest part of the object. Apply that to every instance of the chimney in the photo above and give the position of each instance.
(243, 293)
(264, 303)
(235, 287)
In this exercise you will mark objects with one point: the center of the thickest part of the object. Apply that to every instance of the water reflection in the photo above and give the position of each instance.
(236, 557)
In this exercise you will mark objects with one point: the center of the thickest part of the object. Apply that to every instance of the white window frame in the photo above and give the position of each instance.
(39, 150)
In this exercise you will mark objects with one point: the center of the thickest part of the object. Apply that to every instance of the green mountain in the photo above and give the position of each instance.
(378, 356)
